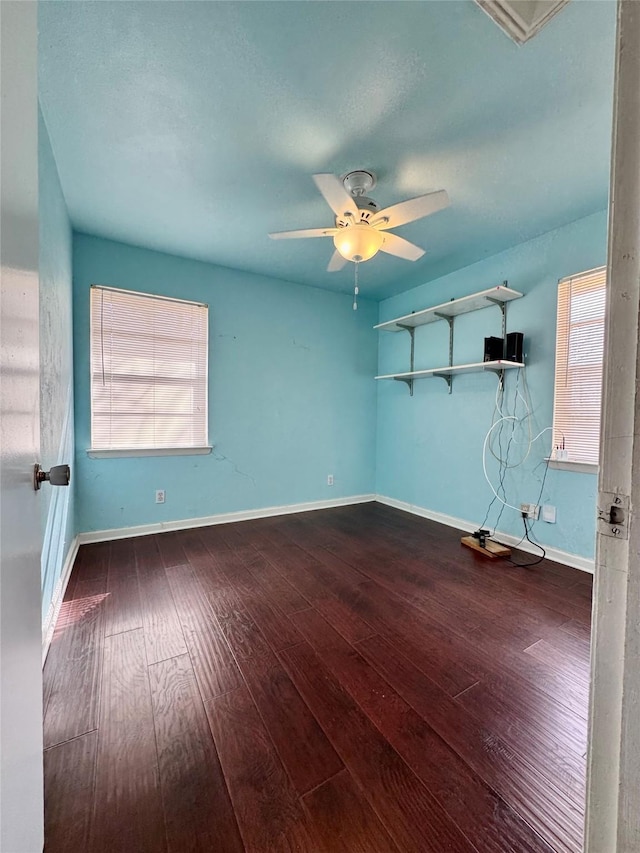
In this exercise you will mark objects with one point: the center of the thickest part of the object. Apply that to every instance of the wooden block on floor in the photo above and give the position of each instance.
(493, 550)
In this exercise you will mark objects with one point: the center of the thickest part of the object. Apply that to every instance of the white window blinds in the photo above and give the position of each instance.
(579, 355)
(148, 371)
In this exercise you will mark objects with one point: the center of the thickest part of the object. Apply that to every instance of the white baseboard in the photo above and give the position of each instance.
(222, 518)
(56, 599)
(575, 561)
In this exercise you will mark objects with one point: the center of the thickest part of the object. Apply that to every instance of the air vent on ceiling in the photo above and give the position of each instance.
(521, 19)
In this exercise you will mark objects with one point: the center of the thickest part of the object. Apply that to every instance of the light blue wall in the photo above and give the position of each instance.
(429, 448)
(291, 394)
(56, 367)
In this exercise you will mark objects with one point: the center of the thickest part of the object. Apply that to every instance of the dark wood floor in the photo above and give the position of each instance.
(344, 680)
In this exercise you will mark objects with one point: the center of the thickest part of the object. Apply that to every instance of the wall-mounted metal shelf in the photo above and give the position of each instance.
(474, 302)
(452, 370)
(448, 311)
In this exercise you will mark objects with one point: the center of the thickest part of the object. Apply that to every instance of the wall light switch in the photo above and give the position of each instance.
(549, 513)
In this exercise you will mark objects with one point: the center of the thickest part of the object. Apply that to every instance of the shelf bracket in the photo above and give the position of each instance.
(503, 310)
(412, 335)
(408, 382)
(499, 372)
(447, 377)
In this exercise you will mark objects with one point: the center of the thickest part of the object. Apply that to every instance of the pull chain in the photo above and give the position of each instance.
(356, 290)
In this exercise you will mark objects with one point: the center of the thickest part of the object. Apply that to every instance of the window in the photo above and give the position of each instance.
(579, 356)
(148, 373)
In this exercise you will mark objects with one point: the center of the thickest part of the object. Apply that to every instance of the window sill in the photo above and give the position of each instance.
(148, 451)
(568, 465)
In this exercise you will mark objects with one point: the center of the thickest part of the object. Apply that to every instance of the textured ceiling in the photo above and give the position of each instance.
(194, 127)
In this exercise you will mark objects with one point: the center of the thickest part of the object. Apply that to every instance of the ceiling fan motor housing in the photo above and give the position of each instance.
(366, 207)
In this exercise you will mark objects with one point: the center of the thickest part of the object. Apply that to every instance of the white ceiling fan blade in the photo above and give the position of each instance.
(336, 196)
(337, 262)
(401, 248)
(307, 232)
(410, 210)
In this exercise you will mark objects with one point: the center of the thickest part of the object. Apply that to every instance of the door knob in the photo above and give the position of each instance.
(59, 475)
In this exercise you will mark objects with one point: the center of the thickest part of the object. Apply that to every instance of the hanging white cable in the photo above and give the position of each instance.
(498, 456)
(484, 461)
(526, 418)
(529, 448)
(500, 394)
(542, 432)
(484, 458)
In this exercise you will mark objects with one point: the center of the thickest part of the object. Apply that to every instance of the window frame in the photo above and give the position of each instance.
(557, 460)
(177, 450)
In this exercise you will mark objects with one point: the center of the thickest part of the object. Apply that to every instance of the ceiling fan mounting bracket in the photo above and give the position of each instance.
(359, 183)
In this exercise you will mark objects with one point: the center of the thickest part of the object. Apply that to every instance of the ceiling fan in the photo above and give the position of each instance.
(361, 229)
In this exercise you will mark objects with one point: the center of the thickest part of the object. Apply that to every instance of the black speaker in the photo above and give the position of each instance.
(493, 349)
(515, 342)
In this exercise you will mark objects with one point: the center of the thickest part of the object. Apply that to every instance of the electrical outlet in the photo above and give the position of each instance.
(160, 494)
(530, 510)
(329, 479)
(549, 513)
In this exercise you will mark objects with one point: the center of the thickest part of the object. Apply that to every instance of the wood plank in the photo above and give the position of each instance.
(541, 734)
(578, 630)
(426, 542)
(302, 746)
(277, 629)
(262, 602)
(482, 814)
(492, 550)
(171, 550)
(544, 805)
(207, 566)
(162, 631)
(69, 778)
(243, 635)
(72, 670)
(213, 537)
(344, 820)
(409, 812)
(306, 578)
(269, 579)
(269, 813)
(343, 618)
(567, 665)
(213, 663)
(565, 688)
(94, 561)
(429, 646)
(483, 654)
(122, 606)
(263, 609)
(127, 809)
(195, 798)
(451, 613)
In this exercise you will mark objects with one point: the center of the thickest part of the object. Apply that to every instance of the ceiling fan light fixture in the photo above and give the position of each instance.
(358, 242)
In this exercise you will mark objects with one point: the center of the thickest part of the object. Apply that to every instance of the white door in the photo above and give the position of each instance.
(21, 801)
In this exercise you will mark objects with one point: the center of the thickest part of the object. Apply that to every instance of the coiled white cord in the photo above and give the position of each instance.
(503, 418)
